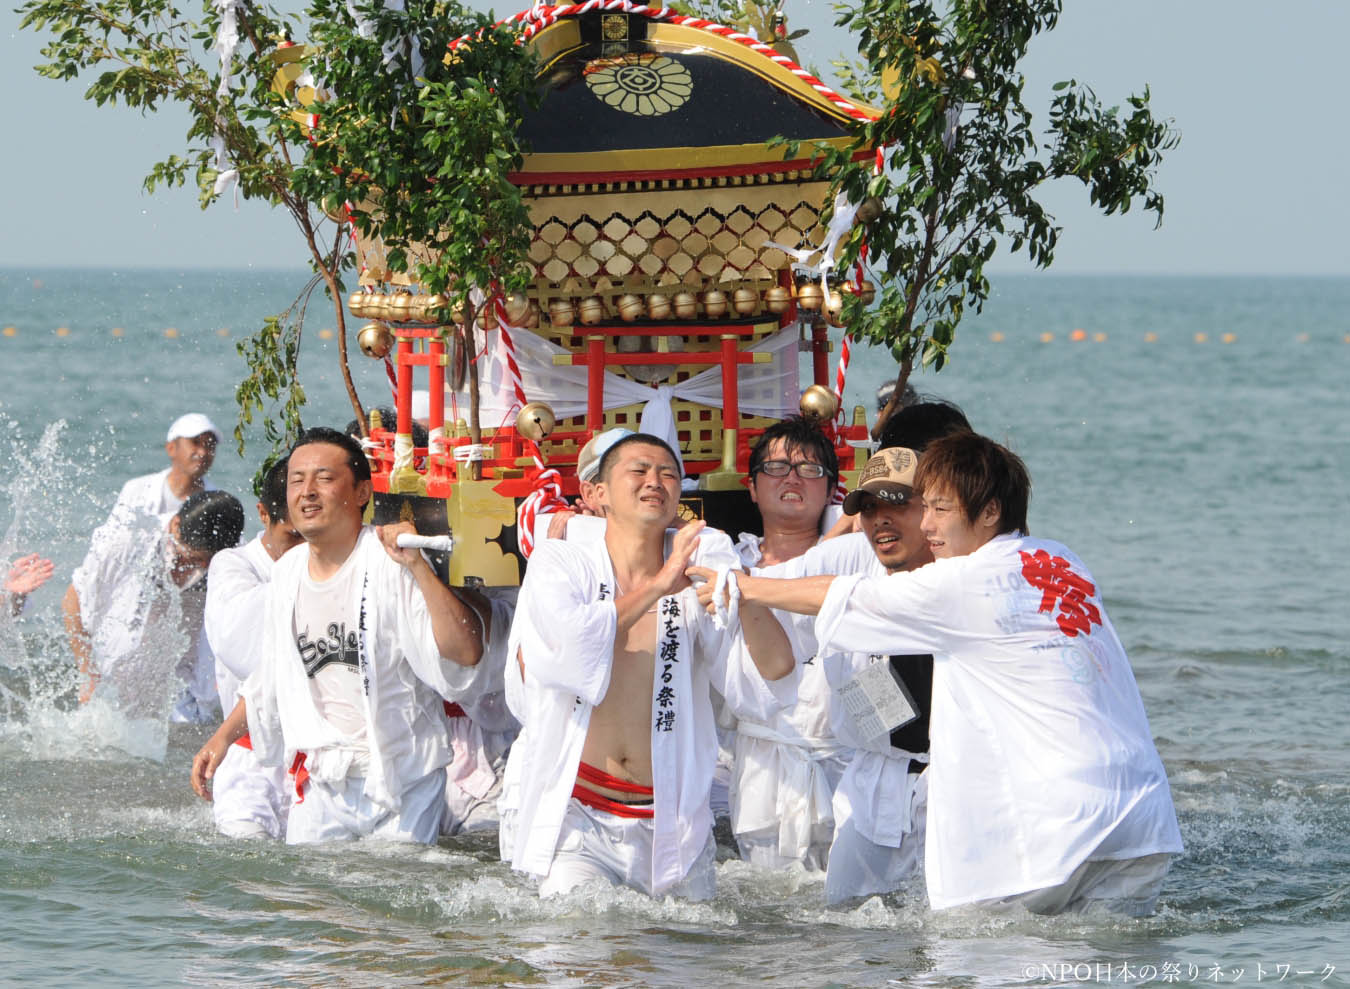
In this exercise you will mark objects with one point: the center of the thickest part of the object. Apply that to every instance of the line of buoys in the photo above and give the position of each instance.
(996, 336)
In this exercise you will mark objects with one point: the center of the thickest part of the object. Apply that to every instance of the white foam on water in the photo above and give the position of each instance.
(94, 732)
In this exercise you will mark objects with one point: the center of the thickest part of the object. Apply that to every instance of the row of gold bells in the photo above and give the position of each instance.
(536, 420)
(658, 306)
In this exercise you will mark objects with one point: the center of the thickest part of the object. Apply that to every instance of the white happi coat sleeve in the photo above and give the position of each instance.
(566, 638)
(416, 637)
(94, 580)
(731, 669)
(898, 613)
(235, 600)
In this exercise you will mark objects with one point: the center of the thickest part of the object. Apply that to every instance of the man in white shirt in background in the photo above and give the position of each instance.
(249, 799)
(362, 645)
(1045, 790)
(191, 449)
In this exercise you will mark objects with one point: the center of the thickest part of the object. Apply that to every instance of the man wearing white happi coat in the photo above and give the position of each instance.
(878, 803)
(1044, 789)
(616, 663)
(133, 611)
(248, 799)
(362, 645)
(783, 771)
(482, 730)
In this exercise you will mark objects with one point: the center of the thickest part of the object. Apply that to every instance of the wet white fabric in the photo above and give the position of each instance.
(135, 617)
(564, 628)
(860, 866)
(483, 736)
(786, 771)
(1041, 753)
(148, 494)
(1122, 886)
(405, 681)
(247, 798)
(344, 810)
(769, 389)
(236, 592)
(596, 846)
(324, 623)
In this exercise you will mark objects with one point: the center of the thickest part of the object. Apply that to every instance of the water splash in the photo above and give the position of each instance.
(56, 500)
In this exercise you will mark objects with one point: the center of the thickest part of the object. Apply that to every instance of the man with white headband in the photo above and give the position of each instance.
(614, 667)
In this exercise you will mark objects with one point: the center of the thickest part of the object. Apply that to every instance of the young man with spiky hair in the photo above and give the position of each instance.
(362, 644)
(614, 668)
(1045, 789)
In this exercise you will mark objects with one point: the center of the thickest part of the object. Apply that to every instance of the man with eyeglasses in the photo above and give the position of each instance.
(878, 806)
(784, 771)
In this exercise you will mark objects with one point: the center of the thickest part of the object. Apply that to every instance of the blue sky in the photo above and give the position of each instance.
(1257, 186)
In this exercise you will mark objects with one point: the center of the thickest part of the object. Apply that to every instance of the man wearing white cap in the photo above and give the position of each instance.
(191, 448)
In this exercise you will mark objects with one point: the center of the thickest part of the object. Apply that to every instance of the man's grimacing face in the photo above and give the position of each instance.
(642, 482)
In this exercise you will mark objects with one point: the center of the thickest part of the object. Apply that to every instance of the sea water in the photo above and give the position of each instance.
(1191, 445)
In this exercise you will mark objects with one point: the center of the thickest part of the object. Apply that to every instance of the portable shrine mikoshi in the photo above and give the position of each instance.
(663, 293)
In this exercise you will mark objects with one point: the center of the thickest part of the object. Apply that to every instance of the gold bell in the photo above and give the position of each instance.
(375, 340)
(714, 303)
(631, 307)
(517, 308)
(685, 305)
(745, 301)
(810, 297)
(818, 402)
(834, 307)
(561, 312)
(776, 299)
(399, 307)
(356, 302)
(868, 210)
(658, 306)
(591, 310)
(535, 421)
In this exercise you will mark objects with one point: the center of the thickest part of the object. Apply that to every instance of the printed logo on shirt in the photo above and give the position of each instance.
(338, 646)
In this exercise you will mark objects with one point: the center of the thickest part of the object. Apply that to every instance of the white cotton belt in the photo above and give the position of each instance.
(818, 748)
(335, 763)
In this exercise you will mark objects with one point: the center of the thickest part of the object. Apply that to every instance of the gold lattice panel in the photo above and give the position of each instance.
(707, 237)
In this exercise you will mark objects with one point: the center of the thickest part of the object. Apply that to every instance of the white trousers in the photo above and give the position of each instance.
(248, 799)
(1122, 886)
(344, 812)
(465, 813)
(595, 845)
(861, 867)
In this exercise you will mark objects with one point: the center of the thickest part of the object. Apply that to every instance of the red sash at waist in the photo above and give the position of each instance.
(301, 775)
(453, 710)
(598, 801)
(244, 741)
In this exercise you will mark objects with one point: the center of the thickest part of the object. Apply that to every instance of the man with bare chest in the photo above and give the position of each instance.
(615, 668)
